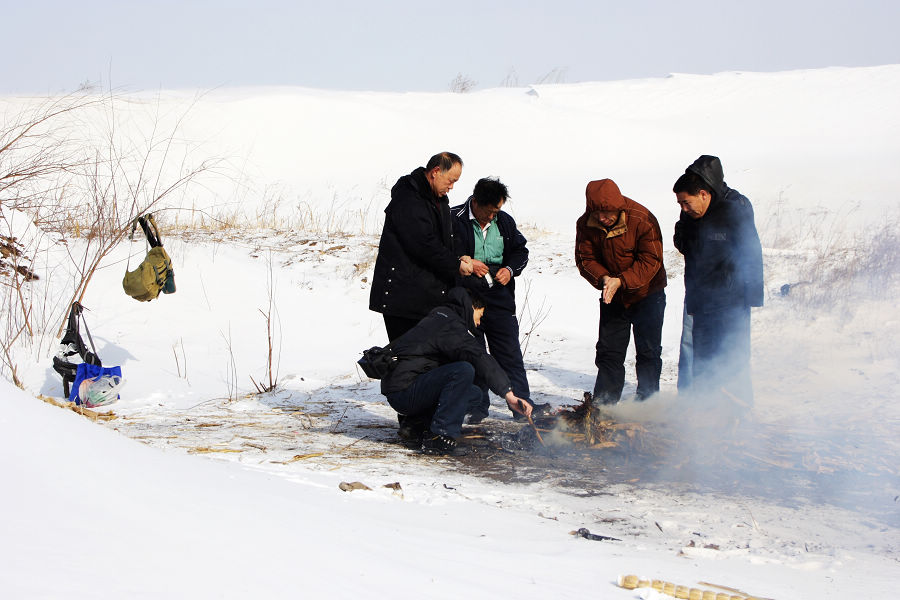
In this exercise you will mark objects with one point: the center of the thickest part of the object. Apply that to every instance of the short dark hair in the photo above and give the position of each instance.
(477, 299)
(690, 183)
(444, 160)
(489, 191)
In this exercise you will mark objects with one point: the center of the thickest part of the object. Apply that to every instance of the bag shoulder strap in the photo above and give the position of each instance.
(148, 224)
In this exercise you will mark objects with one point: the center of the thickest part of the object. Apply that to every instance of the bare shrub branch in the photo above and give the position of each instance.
(462, 84)
(271, 363)
(529, 318)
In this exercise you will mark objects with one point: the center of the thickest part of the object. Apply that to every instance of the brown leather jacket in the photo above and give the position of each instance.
(631, 249)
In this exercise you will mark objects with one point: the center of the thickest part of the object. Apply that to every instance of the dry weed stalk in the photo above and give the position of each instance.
(535, 317)
(271, 367)
(231, 372)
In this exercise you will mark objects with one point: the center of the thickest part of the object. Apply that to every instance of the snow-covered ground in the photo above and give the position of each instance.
(229, 493)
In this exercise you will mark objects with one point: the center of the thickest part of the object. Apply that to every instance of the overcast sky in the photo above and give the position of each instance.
(55, 46)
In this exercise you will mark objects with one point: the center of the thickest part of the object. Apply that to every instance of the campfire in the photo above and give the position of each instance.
(587, 426)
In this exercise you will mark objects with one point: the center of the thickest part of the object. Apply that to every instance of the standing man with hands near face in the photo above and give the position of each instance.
(618, 250)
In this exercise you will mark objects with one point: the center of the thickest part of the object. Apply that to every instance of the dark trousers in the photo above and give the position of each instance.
(501, 330)
(446, 392)
(397, 326)
(722, 354)
(616, 323)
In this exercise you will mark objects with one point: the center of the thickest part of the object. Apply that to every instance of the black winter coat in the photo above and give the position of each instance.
(416, 263)
(446, 335)
(723, 264)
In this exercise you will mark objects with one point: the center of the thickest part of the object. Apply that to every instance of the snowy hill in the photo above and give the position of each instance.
(294, 207)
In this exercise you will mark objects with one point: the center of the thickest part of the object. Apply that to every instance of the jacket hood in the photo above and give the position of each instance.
(459, 301)
(604, 194)
(709, 168)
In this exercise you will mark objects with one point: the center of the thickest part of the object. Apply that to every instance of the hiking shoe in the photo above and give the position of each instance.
(439, 444)
(537, 410)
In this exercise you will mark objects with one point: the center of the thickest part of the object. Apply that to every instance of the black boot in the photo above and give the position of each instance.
(437, 443)
(412, 428)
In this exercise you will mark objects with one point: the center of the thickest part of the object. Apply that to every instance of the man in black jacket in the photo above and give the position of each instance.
(416, 262)
(497, 248)
(438, 362)
(723, 277)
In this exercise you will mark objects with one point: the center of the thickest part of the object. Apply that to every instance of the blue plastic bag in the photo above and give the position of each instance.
(88, 371)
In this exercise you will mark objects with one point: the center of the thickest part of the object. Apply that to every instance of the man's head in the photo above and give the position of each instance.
(488, 198)
(442, 171)
(478, 305)
(605, 201)
(693, 194)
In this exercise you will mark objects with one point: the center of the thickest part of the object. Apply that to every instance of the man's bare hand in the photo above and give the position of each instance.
(610, 286)
(465, 266)
(479, 268)
(503, 276)
(517, 404)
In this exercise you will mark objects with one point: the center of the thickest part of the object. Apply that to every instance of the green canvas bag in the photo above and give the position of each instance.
(155, 274)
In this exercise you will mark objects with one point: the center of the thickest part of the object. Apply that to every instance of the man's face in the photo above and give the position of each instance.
(484, 214)
(479, 312)
(694, 206)
(608, 217)
(442, 182)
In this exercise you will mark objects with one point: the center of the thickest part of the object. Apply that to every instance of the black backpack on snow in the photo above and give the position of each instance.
(377, 362)
(72, 347)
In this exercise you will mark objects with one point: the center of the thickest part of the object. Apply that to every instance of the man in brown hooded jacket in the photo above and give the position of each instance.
(618, 249)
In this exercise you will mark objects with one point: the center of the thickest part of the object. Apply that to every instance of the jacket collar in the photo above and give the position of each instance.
(462, 211)
(419, 180)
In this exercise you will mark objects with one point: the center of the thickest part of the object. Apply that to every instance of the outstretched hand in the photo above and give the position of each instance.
(517, 404)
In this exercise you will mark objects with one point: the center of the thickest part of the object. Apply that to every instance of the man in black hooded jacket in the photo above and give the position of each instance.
(723, 277)
(438, 362)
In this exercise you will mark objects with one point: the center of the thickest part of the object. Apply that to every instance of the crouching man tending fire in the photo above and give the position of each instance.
(438, 363)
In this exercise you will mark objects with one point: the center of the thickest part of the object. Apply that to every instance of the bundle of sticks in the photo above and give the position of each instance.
(586, 424)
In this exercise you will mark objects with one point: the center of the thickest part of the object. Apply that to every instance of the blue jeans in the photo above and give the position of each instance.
(686, 352)
(444, 392)
(616, 323)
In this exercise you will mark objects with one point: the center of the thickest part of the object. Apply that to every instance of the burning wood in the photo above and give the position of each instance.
(587, 424)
